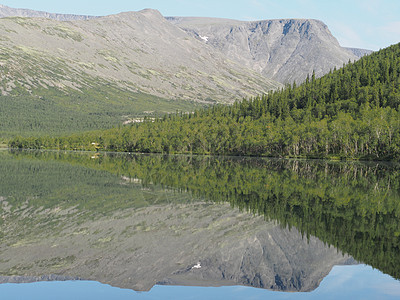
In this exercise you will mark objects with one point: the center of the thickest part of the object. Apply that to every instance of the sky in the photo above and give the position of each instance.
(368, 24)
(343, 282)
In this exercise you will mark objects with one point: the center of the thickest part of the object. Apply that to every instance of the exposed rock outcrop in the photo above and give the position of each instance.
(285, 50)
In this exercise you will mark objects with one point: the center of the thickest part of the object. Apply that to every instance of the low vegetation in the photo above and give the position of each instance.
(50, 111)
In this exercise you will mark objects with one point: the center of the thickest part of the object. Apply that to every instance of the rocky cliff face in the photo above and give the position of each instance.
(284, 50)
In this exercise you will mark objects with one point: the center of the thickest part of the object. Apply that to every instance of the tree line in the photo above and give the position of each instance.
(352, 112)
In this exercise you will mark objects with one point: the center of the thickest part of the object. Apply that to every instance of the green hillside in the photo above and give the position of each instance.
(49, 111)
(352, 112)
(41, 95)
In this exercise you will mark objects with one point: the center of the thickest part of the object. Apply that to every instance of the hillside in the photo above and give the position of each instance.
(62, 74)
(109, 70)
(139, 51)
(352, 112)
(285, 50)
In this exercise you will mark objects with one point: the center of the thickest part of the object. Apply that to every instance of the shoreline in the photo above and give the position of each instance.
(336, 158)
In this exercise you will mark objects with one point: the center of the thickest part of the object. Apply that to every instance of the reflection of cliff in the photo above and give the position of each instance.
(276, 259)
(194, 244)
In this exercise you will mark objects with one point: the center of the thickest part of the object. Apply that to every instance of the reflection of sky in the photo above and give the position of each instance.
(344, 282)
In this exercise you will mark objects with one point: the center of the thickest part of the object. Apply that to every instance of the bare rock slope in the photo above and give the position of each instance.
(185, 58)
(285, 50)
(139, 51)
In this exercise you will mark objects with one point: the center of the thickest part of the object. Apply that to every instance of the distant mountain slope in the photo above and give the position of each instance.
(140, 51)
(284, 50)
(6, 11)
(360, 52)
(96, 72)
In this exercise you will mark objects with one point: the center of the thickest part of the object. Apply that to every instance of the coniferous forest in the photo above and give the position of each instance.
(352, 112)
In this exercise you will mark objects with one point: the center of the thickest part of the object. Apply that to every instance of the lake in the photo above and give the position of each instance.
(130, 226)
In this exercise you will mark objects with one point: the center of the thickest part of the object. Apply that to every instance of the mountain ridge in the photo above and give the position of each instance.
(359, 52)
(285, 50)
(6, 11)
(114, 46)
(278, 66)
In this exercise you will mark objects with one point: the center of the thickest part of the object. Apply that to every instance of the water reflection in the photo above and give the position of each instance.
(134, 221)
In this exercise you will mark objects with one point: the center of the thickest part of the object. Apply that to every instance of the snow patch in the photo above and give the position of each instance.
(197, 266)
(204, 38)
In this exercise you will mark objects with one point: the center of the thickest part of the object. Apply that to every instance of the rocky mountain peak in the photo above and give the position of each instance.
(151, 12)
(144, 13)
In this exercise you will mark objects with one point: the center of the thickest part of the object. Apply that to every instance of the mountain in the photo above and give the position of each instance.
(272, 47)
(136, 50)
(69, 73)
(285, 50)
(68, 76)
(266, 257)
(274, 258)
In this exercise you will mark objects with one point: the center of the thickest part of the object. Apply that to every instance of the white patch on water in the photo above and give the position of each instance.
(197, 266)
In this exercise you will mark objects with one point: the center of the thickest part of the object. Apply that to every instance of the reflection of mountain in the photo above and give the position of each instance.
(136, 248)
(275, 258)
(75, 222)
(352, 205)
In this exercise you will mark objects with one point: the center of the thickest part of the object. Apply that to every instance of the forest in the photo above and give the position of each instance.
(350, 113)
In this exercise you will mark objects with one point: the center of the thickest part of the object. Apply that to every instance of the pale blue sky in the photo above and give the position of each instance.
(343, 282)
(370, 24)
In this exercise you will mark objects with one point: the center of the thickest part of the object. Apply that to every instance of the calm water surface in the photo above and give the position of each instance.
(100, 226)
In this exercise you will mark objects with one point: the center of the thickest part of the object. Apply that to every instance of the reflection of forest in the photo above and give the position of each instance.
(353, 206)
